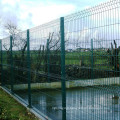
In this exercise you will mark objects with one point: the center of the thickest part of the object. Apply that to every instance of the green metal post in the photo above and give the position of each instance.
(11, 56)
(63, 85)
(48, 60)
(29, 70)
(1, 63)
(92, 60)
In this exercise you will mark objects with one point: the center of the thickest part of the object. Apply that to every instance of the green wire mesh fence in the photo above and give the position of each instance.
(92, 61)
(45, 45)
(68, 69)
(6, 62)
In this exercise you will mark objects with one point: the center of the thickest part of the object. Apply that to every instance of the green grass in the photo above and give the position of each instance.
(75, 58)
(101, 58)
(10, 109)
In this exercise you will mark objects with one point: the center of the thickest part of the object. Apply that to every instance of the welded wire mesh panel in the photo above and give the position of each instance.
(92, 65)
(92, 62)
(45, 50)
(19, 48)
(6, 62)
(106, 58)
(19, 53)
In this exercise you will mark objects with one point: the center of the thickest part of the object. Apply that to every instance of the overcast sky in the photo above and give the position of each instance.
(30, 13)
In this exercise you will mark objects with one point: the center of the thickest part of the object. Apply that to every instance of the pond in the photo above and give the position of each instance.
(89, 103)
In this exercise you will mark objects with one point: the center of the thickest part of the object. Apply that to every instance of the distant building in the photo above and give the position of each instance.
(70, 50)
(82, 49)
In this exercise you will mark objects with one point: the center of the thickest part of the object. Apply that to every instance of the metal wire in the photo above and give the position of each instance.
(92, 65)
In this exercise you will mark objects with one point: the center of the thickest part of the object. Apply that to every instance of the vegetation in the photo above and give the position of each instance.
(10, 109)
(46, 61)
(78, 65)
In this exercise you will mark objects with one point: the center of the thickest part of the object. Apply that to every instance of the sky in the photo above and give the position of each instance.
(30, 13)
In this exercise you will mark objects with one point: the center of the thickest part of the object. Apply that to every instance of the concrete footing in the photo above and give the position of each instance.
(71, 84)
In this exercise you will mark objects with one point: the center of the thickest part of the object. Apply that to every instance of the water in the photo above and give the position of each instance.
(82, 103)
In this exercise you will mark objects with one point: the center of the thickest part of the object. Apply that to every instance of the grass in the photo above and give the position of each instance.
(74, 58)
(101, 58)
(10, 109)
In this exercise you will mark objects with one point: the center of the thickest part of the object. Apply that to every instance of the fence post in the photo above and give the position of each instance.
(29, 70)
(1, 63)
(48, 60)
(92, 60)
(63, 85)
(11, 57)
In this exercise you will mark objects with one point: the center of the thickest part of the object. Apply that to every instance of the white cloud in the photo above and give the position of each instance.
(10, 2)
(30, 13)
(48, 13)
(33, 13)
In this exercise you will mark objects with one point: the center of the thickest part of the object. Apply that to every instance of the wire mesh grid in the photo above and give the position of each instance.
(6, 61)
(91, 65)
(45, 50)
(92, 61)
(45, 46)
(20, 62)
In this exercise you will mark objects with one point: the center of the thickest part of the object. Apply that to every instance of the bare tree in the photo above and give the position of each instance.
(19, 45)
(11, 27)
(41, 57)
(17, 40)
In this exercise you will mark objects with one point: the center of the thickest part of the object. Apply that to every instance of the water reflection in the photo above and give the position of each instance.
(82, 104)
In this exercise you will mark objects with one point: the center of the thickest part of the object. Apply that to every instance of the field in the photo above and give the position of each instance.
(78, 64)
